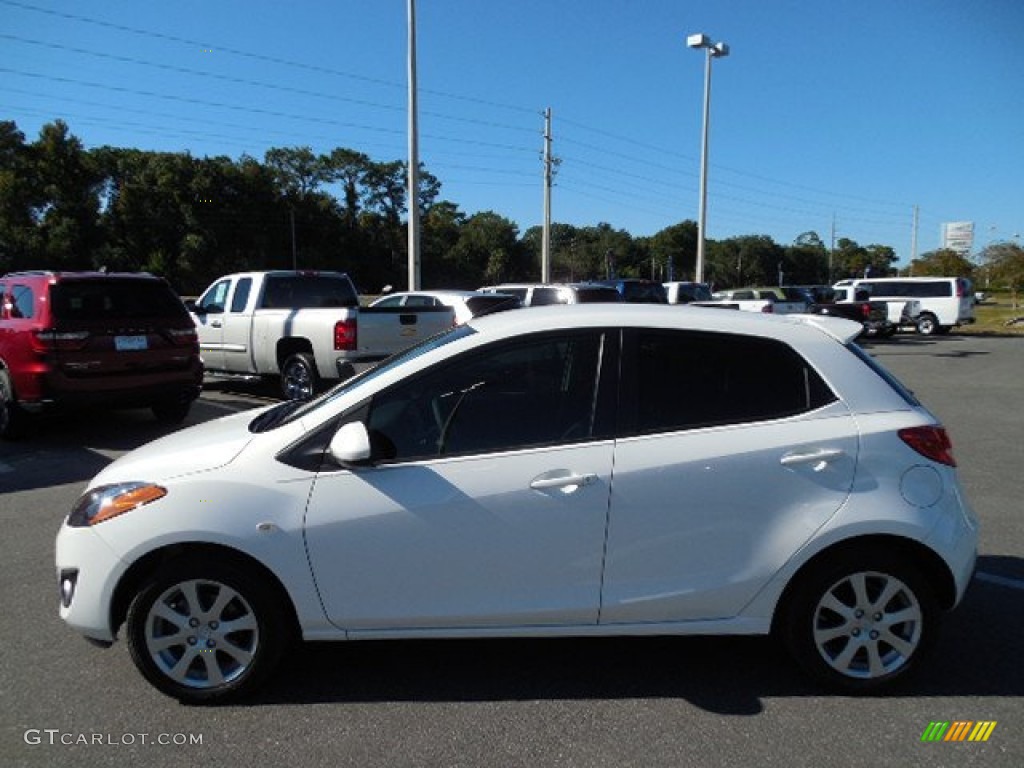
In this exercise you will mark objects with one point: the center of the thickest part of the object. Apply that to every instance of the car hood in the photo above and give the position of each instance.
(196, 449)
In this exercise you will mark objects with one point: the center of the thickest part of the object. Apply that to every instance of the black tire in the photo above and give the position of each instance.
(172, 411)
(927, 324)
(11, 416)
(860, 620)
(206, 632)
(299, 378)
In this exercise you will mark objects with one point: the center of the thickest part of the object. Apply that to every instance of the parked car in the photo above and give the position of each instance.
(302, 327)
(686, 292)
(763, 300)
(466, 304)
(92, 338)
(543, 294)
(946, 302)
(768, 476)
(638, 291)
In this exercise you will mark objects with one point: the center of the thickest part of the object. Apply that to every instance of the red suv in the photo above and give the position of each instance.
(91, 338)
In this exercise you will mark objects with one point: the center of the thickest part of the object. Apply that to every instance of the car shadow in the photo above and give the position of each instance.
(722, 675)
(71, 446)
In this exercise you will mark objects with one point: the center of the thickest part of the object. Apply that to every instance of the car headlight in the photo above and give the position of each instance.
(107, 501)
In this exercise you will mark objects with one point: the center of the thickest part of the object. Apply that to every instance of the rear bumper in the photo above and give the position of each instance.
(55, 388)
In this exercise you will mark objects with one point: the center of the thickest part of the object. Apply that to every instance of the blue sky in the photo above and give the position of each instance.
(852, 111)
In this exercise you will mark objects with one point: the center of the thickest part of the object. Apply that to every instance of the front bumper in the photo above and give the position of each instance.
(84, 558)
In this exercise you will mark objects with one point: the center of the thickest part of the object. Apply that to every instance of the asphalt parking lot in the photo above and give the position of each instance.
(615, 702)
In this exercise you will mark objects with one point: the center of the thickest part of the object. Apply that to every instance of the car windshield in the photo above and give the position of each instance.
(290, 410)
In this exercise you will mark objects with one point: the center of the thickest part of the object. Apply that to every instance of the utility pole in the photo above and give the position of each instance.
(413, 193)
(913, 239)
(831, 250)
(545, 249)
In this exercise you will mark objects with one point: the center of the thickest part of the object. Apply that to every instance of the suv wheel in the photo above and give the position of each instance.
(205, 632)
(172, 411)
(860, 620)
(10, 413)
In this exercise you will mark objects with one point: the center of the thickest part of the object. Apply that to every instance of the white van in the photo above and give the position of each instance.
(945, 301)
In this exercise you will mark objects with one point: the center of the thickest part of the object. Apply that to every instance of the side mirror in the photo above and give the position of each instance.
(351, 445)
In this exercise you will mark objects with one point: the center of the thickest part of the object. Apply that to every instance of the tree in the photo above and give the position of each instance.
(942, 263)
(67, 218)
(806, 261)
(1005, 264)
(20, 195)
(675, 245)
(486, 252)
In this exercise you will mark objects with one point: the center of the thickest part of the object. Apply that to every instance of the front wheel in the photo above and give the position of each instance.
(205, 632)
(299, 377)
(859, 621)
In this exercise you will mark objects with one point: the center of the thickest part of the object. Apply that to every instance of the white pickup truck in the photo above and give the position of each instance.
(303, 326)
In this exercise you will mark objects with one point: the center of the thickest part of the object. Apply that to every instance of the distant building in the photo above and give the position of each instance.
(958, 236)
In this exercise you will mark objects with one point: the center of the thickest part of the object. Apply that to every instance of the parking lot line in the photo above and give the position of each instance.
(1002, 581)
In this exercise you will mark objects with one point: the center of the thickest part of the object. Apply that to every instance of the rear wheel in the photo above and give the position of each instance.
(206, 632)
(860, 620)
(299, 378)
(172, 411)
(927, 324)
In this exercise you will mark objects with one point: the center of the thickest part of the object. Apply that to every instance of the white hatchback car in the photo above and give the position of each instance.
(584, 470)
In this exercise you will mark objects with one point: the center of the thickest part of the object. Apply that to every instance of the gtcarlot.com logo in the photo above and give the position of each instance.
(959, 730)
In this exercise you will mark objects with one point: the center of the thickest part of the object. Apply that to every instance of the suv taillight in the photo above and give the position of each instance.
(931, 442)
(49, 340)
(183, 337)
(345, 336)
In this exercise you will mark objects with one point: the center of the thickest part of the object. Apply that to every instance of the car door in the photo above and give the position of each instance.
(488, 503)
(209, 319)
(734, 452)
(236, 328)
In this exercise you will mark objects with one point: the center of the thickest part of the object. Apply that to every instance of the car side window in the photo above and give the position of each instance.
(526, 393)
(241, 295)
(542, 296)
(421, 301)
(391, 301)
(686, 380)
(213, 301)
(22, 301)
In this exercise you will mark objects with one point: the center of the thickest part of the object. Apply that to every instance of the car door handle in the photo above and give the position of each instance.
(820, 458)
(568, 483)
(216, 323)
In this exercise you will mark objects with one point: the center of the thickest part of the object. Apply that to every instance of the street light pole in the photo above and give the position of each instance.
(713, 50)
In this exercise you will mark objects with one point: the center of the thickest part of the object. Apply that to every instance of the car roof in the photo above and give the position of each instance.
(627, 315)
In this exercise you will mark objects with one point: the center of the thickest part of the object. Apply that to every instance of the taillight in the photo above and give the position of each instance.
(865, 309)
(961, 289)
(931, 442)
(768, 309)
(183, 337)
(345, 336)
(52, 341)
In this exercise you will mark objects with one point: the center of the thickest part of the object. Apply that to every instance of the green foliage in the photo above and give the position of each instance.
(1004, 263)
(942, 263)
(193, 219)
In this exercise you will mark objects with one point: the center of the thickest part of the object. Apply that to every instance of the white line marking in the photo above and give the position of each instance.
(1002, 581)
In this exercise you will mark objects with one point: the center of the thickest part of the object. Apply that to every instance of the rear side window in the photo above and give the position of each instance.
(309, 291)
(678, 380)
(241, 295)
(882, 372)
(89, 300)
(597, 295)
(23, 301)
